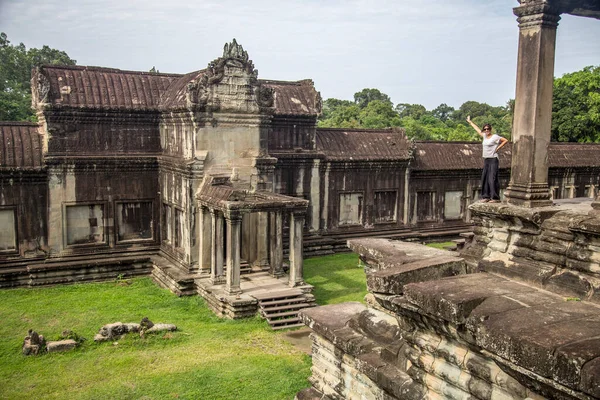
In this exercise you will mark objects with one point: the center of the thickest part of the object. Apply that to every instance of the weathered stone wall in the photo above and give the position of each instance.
(26, 194)
(292, 133)
(555, 248)
(364, 180)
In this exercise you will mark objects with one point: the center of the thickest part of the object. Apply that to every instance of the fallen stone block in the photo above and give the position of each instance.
(61, 345)
(162, 328)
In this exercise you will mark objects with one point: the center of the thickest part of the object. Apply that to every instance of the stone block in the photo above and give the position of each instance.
(453, 299)
(61, 345)
(392, 280)
(162, 328)
(324, 320)
(590, 378)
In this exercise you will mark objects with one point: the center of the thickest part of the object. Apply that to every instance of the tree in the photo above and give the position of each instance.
(365, 96)
(414, 111)
(378, 114)
(443, 112)
(16, 63)
(576, 106)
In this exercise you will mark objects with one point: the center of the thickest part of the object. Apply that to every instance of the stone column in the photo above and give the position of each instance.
(216, 254)
(596, 205)
(296, 261)
(528, 185)
(205, 240)
(276, 244)
(232, 282)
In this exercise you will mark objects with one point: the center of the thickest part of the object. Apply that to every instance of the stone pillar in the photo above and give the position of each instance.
(596, 205)
(528, 185)
(276, 244)
(205, 240)
(296, 260)
(232, 282)
(216, 254)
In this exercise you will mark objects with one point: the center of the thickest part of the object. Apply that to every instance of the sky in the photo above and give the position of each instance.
(425, 52)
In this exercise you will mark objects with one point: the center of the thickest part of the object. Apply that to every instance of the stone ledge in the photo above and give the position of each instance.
(534, 329)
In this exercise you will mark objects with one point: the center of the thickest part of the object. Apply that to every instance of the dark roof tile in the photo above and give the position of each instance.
(20, 145)
(368, 145)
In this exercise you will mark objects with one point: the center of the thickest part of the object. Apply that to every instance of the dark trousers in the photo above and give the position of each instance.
(490, 185)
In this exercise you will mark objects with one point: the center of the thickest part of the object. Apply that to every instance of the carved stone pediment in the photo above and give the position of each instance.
(206, 94)
(40, 87)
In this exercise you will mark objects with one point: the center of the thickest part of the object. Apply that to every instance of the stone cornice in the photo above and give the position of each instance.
(535, 14)
(100, 164)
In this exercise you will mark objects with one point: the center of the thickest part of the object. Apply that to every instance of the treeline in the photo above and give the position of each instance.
(576, 104)
(576, 113)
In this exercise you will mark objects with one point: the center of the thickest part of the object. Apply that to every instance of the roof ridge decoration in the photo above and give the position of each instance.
(198, 94)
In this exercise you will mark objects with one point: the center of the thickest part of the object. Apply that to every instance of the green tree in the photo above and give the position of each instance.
(576, 106)
(443, 112)
(414, 111)
(365, 96)
(16, 63)
(378, 114)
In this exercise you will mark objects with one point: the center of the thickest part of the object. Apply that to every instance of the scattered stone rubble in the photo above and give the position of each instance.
(34, 344)
(116, 330)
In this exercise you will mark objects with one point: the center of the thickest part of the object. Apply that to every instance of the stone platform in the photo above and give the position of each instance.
(255, 287)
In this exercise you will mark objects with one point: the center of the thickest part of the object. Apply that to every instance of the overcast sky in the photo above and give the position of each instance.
(424, 51)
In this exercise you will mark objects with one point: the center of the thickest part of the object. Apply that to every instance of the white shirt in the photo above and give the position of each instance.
(489, 146)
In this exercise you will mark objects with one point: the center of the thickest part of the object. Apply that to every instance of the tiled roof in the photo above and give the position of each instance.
(175, 96)
(294, 98)
(574, 155)
(20, 145)
(429, 156)
(368, 145)
(95, 87)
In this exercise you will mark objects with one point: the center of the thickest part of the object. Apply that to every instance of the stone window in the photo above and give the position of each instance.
(555, 193)
(425, 206)
(85, 224)
(351, 209)
(385, 206)
(134, 220)
(453, 204)
(178, 229)
(8, 230)
(167, 229)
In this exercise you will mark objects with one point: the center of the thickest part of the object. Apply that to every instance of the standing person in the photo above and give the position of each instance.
(490, 185)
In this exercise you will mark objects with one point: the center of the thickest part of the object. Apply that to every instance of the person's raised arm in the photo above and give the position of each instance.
(474, 125)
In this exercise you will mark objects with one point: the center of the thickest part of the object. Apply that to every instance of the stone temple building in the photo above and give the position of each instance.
(201, 177)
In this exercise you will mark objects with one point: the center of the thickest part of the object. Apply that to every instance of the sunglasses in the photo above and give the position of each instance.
(486, 129)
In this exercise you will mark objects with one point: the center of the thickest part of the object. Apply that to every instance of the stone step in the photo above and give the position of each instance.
(274, 316)
(277, 295)
(276, 328)
(288, 307)
(268, 304)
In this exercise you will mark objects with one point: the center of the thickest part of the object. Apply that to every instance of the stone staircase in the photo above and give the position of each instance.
(281, 308)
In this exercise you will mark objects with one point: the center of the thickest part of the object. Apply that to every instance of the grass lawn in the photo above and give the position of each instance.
(206, 358)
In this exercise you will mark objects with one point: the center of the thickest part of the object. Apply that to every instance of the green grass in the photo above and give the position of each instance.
(440, 245)
(337, 278)
(206, 358)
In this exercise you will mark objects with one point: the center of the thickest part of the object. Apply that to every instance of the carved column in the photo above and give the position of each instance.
(296, 260)
(276, 244)
(205, 240)
(232, 282)
(533, 104)
(216, 255)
